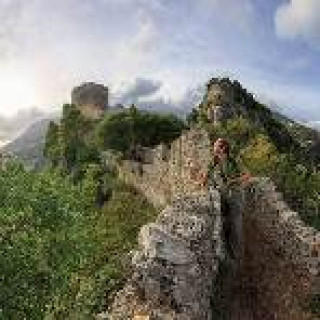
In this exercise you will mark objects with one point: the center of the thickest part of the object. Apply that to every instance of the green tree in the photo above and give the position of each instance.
(51, 147)
(70, 145)
(133, 127)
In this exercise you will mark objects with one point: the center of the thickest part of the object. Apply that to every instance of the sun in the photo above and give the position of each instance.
(17, 90)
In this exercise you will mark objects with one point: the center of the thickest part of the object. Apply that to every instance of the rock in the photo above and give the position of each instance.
(177, 260)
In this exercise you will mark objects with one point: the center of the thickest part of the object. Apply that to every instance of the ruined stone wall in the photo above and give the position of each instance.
(277, 255)
(170, 171)
(280, 265)
(176, 263)
(175, 266)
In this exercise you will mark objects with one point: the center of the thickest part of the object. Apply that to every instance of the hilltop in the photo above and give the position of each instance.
(226, 100)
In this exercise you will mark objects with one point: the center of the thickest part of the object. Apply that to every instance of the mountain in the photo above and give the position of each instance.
(28, 146)
(11, 127)
(226, 100)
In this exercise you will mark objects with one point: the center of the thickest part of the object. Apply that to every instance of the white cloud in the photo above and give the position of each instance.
(238, 13)
(299, 19)
(140, 88)
(55, 45)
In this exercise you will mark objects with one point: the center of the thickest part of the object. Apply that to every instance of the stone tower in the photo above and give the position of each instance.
(92, 99)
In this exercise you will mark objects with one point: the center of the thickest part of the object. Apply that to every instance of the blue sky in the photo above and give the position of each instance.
(272, 47)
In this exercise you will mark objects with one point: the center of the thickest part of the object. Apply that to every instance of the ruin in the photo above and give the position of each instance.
(92, 99)
(276, 265)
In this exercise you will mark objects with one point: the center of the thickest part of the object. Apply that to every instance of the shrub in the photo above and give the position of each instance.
(61, 256)
(124, 130)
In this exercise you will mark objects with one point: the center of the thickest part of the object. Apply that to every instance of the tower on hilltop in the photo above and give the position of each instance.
(92, 99)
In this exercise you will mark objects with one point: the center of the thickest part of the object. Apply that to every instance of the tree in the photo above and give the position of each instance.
(130, 128)
(193, 117)
(71, 145)
(51, 147)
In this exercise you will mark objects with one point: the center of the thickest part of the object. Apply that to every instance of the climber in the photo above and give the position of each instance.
(223, 170)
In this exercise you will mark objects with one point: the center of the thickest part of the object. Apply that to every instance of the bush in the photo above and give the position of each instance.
(70, 145)
(124, 130)
(61, 257)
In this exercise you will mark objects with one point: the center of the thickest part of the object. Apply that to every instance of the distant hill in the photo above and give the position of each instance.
(28, 146)
(11, 127)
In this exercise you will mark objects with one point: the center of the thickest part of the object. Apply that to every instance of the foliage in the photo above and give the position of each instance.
(51, 147)
(193, 117)
(43, 239)
(70, 145)
(125, 130)
(61, 257)
(257, 152)
(260, 156)
(237, 131)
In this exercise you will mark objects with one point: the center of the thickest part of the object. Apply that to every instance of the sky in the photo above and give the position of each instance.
(159, 51)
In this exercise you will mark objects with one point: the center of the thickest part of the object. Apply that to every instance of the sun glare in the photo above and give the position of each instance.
(16, 91)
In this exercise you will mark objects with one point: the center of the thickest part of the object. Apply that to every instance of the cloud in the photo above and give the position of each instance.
(238, 13)
(299, 19)
(139, 89)
(150, 94)
(64, 43)
(314, 124)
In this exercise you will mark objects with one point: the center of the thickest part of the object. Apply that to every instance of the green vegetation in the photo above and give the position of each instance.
(66, 231)
(260, 153)
(70, 145)
(61, 256)
(77, 141)
(265, 143)
(125, 130)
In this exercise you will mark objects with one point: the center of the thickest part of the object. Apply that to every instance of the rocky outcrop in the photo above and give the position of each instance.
(91, 98)
(225, 99)
(176, 263)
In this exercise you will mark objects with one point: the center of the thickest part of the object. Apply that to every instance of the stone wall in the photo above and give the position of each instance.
(277, 255)
(171, 171)
(176, 264)
(178, 257)
(280, 264)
